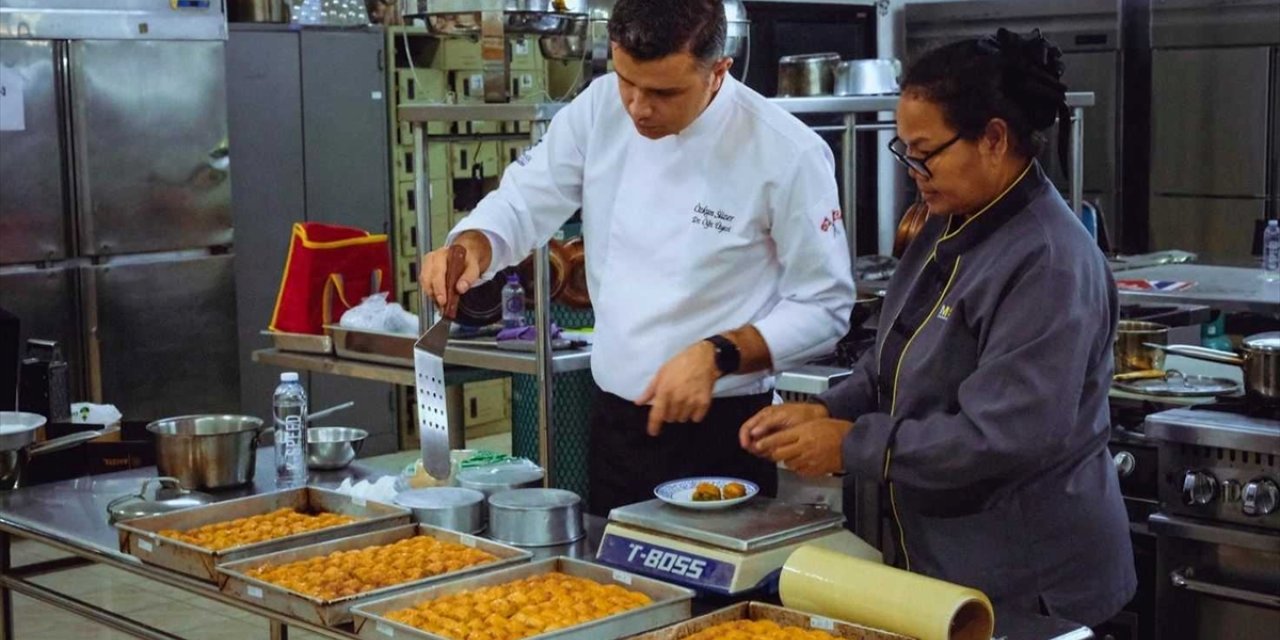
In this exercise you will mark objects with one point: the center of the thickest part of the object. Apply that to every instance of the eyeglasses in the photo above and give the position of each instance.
(920, 165)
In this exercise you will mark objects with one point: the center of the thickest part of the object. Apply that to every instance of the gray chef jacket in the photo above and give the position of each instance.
(983, 408)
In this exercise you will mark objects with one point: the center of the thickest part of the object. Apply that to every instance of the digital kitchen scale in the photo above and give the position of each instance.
(727, 552)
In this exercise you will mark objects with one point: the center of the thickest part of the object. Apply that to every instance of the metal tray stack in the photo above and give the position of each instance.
(300, 342)
(670, 603)
(780, 615)
(333, 612)
(372, 346)
(140, 537)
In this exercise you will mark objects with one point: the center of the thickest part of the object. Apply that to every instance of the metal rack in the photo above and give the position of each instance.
(852, 106)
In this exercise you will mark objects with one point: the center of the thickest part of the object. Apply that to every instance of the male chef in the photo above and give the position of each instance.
(714, 242)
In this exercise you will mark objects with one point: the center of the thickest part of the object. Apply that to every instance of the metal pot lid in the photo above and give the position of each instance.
(433, 498)
(829, 56)
(139, 508)
(534, 499)
(1268, 342)
(500, 475)
(1177, 385)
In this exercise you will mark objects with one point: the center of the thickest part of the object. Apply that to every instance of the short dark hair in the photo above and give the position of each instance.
(1015, 78)
(653, 29)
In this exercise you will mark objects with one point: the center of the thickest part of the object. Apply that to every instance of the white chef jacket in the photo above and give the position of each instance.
(733, 221)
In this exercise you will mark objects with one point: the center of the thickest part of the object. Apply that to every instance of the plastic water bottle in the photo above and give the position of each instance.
(1271, 251)
(290, 408)
(513, 303)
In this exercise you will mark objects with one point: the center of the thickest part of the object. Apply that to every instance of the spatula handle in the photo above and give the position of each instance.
(455, 265)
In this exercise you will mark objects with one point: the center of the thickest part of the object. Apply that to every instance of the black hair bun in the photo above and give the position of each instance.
(1033, 74)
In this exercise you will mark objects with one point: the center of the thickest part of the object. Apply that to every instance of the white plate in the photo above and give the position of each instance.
(680, 492)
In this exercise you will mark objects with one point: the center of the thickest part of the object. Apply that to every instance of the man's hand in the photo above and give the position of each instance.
(682, 390)
(432, 274)
(776, 418)
(809, 449)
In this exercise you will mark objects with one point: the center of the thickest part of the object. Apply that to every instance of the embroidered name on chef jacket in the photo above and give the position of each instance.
(712, 219)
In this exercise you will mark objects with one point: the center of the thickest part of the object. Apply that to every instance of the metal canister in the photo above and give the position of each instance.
(452, 508)
(807, 75)
(536, 517)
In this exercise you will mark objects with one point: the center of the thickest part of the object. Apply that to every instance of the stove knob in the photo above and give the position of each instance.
(1125, 463)
(1198, 488)
(1260, 497)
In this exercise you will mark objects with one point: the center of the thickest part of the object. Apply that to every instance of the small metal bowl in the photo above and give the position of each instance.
(330, 448)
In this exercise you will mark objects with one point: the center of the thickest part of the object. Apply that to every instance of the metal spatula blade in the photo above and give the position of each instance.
(428, 369)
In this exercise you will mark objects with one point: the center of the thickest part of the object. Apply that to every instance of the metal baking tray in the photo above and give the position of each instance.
(670, 603)
(300, 342)
(238, 583)
(762, 611)
(372, 346)
(140, 537)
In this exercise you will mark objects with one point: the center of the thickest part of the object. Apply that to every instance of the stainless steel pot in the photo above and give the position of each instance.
(536, 517)
(452, 508)
(207, 451)
(1259, 357)
(807, 75)
(18, 433)
(867, 77)
(1131, 350)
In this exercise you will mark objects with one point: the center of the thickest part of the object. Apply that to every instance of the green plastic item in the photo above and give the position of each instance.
(1213, 334)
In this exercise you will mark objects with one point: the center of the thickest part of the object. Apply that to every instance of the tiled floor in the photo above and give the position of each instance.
(178, 612)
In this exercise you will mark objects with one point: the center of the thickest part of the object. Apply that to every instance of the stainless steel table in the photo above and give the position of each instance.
(1225, 288)
(71, 516)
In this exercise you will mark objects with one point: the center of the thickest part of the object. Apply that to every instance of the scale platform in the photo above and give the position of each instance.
(728, 552)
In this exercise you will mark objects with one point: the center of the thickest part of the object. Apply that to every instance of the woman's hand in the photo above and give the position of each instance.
(775, 418)
(810, 449)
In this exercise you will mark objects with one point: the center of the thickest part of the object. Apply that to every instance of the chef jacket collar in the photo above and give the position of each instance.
(962, 236)
(715, 113)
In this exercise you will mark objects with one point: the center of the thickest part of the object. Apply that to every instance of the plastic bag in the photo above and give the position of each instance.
(376, 314)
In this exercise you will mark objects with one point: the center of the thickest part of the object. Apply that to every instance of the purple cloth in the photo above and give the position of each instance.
(526, 333)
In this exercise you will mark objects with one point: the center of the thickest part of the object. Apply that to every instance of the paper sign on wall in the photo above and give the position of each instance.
(12, 106)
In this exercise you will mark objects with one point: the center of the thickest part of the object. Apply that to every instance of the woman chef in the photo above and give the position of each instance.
(983, 407)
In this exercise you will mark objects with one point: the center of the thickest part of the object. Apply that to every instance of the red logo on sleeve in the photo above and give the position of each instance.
(831, 220)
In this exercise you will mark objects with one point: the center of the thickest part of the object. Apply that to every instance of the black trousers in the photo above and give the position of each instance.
(625, 463)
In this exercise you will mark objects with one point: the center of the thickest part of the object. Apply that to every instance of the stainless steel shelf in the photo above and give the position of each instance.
(435, 112)
(477, 357)
(872, 104)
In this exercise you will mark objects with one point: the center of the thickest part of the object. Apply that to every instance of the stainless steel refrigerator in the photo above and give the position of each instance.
(1215, 155)
(115, 218)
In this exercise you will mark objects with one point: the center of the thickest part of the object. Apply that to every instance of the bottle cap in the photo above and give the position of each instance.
(513, 278)
(1273, 223)
(289, 376)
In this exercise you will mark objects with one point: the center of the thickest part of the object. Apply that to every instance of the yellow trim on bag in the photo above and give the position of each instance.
(368, 238)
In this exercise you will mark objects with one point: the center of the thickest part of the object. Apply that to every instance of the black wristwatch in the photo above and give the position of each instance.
(728, 358)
